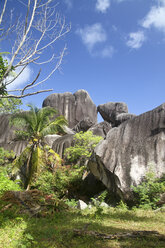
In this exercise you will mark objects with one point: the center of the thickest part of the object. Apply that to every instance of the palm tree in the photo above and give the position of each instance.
(34, 125)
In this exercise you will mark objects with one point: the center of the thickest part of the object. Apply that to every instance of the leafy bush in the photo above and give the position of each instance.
(84, 144)
(7, 184)
(62, 183)
(148, 192)
(6, 157)
(41, 158)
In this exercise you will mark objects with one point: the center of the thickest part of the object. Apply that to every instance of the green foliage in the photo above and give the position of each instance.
(122, 205)
(3, 69)
(6, 157)
(72, 203)
(147, 194)
(7, 184)
(10, 105)
(36, 159)
(34, 125)
(84, 144)
(61, 183)
(37, 123)
(7, 105)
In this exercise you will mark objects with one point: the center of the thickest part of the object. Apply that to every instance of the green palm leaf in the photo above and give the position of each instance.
(35, 124)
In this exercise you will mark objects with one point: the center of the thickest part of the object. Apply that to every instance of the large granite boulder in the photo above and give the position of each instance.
(50, 138)
(7, 136)
(109, 111)
(129, 151)
(123, 117)
(83, 125)
(101, 129)
(75, 107)
(61, 143)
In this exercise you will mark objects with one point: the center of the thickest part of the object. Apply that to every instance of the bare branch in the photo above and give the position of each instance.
(36, 31)
(50, 74)
(3, 11)
(29, 85)
(25, 95)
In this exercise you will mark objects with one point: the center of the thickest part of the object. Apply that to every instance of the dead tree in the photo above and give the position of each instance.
(40, 20)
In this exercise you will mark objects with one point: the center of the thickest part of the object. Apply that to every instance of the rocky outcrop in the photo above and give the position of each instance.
(60, 144)
(49, 139)
(101, 129)
(109, 111)
(129, 151)
(75, 107)
(123, 117)
(7, 136)
(83, 125)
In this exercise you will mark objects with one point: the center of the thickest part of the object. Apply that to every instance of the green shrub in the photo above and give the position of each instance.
(84, 144)
(7, 184)
(147, 194)
(61, 183)
(6, 157)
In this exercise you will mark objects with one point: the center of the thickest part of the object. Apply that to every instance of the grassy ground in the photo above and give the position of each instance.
(57, 231)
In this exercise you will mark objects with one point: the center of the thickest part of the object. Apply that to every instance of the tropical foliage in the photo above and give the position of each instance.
(84, 144)
(35, 124)
(147, 194)
(6, 183)
(10, 105)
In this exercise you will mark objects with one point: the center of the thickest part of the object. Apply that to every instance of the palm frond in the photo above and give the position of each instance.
(55, 127)
(22, 159)
(44, 116)
(23, 120)
(33, 112)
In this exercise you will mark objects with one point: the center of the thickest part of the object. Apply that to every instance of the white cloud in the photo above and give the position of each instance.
(91, 35)
(106, 52)
(103, 5)
(156, 17)
(136, 39)
(21, 80)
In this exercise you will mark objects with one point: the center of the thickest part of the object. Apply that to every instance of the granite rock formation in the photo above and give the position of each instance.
(109, 111)
(75, 107)
(63, 142)
(83, 125)
(123, 117)
(7, 136)
(129, 151)
(101, 129)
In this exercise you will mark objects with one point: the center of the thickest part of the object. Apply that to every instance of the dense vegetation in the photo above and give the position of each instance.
(57, 184)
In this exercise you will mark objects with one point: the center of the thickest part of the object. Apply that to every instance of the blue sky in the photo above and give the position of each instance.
(115, 51)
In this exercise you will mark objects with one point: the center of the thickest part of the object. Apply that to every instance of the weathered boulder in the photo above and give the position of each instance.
(128, 152)
(7, 136)
(110, 110)
(101, 129)
(123, 117)
(50, 138)
(60, 144)
(83, 125)
(162, 200)
(75, 107)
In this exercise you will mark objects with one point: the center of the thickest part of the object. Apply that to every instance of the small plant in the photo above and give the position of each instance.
(6, 184)
(63, 182)
(122, 205)
(147, 194)
(72, 203)
(84, 144)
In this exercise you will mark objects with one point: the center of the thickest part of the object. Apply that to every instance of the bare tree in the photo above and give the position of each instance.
(36, 31)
